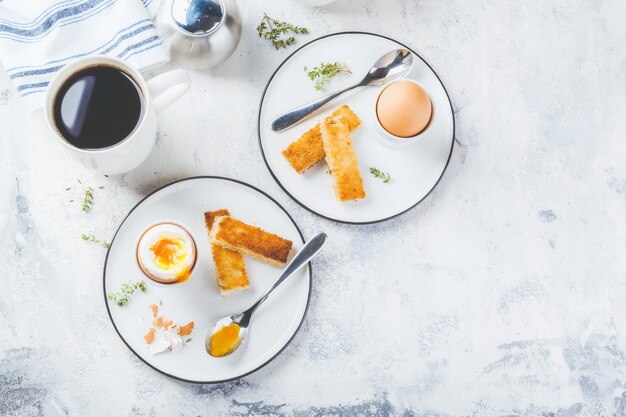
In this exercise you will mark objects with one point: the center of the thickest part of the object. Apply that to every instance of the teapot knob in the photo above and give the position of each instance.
(198, 16)
(199, 34)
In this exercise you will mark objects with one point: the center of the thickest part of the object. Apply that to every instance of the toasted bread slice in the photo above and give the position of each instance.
(341, 159)
(308, 150)
(230, 268)
(236, 235)
(209, 217)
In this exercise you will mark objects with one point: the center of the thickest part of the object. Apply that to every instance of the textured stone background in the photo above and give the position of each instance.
(501, 295)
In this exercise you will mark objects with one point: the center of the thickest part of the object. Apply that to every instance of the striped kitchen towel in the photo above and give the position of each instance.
(38, 37)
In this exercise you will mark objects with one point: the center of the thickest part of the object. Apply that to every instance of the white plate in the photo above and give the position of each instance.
(273, 325)
(415, 169)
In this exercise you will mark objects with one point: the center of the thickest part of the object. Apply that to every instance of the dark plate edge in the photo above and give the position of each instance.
(307, 207)
(306, 308)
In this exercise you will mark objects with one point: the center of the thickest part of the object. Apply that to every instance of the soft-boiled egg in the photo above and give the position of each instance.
(404, 109)
(166, 253)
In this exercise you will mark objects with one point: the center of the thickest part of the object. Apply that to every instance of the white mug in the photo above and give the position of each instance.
(158, 93)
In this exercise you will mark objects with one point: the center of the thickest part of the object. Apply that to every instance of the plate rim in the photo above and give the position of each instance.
(354, 32)
(106, 258)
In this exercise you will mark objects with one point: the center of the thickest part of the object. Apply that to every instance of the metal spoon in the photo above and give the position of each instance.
(308, 251)
(389, 67)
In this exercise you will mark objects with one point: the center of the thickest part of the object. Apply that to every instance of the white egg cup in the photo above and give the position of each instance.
(153, 278)
(393, 141)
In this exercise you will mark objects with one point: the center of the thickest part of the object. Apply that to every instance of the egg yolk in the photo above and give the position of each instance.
(224, 340)
(168, 252)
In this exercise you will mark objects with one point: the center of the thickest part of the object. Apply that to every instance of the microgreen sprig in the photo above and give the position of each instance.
(384, 176)
(92, 238)
(325, 71)
(87, 200)
(122, 297)
(277, 32)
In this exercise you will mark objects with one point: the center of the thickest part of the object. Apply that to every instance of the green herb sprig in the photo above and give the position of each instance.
(325, 71)
(384, 176)
(277, 32)
(87, 200)
(122, 297)
(92, 238)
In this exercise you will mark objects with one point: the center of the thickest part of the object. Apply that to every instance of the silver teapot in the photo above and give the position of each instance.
(199, 34)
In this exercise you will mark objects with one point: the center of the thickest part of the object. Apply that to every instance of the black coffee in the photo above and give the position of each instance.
(97, 107)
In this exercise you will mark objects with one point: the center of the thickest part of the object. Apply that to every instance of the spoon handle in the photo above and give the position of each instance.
(297, 115)
(308, 251)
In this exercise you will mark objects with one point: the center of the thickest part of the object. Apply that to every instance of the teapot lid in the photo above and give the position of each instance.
(198, 17)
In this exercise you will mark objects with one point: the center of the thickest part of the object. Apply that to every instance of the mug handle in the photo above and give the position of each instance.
(168, 87)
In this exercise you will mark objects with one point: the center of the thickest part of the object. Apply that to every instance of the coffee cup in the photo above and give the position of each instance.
(105, 113)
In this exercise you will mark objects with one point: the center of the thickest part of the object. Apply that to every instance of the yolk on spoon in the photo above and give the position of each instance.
(224, 340)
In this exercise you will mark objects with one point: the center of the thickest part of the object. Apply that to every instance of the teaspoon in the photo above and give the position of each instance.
(242, 320)
(389, 67)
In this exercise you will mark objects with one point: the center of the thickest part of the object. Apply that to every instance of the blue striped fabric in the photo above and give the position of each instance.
(36, 20)
(57, 17)
(38, 37)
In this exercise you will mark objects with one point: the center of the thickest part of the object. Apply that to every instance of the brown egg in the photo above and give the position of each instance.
(404, 109)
